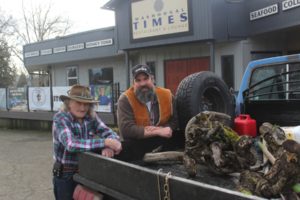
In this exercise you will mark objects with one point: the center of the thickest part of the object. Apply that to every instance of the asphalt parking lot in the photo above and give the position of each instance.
(25, 165)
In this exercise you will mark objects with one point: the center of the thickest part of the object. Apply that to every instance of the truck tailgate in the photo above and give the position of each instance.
(127, 181)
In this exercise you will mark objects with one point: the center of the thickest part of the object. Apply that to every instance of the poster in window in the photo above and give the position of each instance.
(103, 93)
(3, 99)
(39, 98)
(100, 76)
(17, 99)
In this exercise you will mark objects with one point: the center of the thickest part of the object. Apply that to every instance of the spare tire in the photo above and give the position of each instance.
(202, 91)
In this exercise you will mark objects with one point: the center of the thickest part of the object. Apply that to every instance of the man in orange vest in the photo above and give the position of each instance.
(147, 116)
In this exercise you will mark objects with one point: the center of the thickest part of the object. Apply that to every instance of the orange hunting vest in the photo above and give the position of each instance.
(140, 110)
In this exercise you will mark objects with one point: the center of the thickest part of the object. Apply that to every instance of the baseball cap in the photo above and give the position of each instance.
(136, 70)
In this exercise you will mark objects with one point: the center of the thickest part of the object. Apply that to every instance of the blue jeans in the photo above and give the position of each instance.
(64, 186)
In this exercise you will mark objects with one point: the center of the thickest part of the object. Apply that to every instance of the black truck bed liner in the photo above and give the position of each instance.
(127, 181)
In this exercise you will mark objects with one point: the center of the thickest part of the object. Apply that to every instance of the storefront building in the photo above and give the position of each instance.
(175, 37)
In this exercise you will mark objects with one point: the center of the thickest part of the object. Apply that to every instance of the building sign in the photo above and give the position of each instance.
(75, 47)
(264, 12)
(39, 98)
(31, 54)
(99, 43)
(158, 17)
(289, 4)
(46, 52)
(3, 99)
(57, 91)
(59, 49)
(17, 99)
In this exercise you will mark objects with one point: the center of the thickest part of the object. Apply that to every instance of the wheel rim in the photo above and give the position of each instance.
(211, 100)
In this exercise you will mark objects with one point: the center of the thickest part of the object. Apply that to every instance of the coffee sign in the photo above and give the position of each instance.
(289, 4)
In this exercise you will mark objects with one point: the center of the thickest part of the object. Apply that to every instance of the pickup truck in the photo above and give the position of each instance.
(269, 92)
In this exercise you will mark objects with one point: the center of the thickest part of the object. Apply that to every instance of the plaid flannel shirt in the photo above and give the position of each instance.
(71, 137)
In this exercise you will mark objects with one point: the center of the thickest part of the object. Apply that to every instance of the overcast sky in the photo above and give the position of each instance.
(84, 14)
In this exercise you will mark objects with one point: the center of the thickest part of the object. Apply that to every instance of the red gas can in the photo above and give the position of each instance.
(245, 125)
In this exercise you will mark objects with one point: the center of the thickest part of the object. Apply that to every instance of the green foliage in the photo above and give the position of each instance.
(296, 188)
(231, 134)
(7, 73)
(245, 191)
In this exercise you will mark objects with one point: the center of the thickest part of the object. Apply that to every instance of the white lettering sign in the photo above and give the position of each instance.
(289, 4)
(106, 42)
(3, 98)
(264, 12)
(153, 18)
(57, 91)
(98, 43)
(59, 49)
(75, 47)
(46, 52)
(31, 54)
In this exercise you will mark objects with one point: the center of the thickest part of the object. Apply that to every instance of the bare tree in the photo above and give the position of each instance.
(37, 24)
(22, 81)
(5, 25)
(40, 24)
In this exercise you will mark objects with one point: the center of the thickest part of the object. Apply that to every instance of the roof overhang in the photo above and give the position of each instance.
(110, 5)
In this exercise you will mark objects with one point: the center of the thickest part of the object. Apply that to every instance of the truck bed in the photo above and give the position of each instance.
(132, 181)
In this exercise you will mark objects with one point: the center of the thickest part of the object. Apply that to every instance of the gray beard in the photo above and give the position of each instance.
(145, 97)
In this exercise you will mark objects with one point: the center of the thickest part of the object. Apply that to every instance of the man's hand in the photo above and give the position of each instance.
(107, 152)
(165, 132)
(151, 131)
(151, 128)
(113, 144)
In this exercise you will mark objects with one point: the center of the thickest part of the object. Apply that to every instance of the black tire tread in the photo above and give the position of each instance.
(184, 95)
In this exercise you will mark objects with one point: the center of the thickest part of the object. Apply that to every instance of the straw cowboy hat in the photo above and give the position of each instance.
(79, 93)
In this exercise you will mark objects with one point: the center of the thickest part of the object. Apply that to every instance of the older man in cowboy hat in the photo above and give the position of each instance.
(77, 128)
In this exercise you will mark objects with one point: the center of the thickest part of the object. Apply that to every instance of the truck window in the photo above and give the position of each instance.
(294, 81)
(265, 84)
(275, 82)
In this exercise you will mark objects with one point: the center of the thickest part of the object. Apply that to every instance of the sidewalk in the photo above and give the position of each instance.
(25, 165)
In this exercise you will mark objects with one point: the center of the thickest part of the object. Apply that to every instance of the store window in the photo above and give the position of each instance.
(72, 75)
(151, 64)
(227, 63)
(101, 76)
